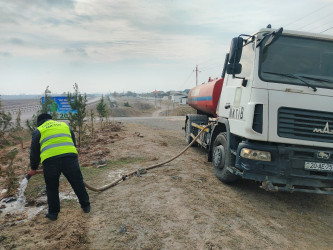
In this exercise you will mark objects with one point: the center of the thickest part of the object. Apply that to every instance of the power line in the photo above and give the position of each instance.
(210, 61)
(307, 15)
(326, 29)
(312, 22)
(321, 25)
(213, 67)
(187, 79)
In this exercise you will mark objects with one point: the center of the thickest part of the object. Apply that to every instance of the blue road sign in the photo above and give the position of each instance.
(61, 106)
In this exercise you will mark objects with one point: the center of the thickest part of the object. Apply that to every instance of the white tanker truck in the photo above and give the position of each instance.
(272, 112)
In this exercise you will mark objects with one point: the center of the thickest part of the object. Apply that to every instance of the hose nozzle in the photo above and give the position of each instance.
(27, 176)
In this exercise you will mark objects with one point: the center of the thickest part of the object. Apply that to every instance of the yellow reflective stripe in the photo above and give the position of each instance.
(57, 145)
(54, 136)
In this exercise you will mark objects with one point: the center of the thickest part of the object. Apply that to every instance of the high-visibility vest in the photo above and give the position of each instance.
(55, 139)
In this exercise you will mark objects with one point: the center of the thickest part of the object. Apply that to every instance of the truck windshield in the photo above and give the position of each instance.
(308, 59)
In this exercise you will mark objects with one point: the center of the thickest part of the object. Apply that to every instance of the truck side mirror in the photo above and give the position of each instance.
(236, 48)
(234, 68)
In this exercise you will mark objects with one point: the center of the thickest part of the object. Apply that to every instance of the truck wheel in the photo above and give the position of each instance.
(222, 159)
(188, 137)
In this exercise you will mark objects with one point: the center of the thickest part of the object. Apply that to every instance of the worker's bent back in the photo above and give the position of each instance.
(55, 139)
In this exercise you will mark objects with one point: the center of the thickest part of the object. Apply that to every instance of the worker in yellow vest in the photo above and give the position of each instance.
(53, 144)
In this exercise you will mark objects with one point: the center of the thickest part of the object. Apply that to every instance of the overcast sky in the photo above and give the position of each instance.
(133, 45)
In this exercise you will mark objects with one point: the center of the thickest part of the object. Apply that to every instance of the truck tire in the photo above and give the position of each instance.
(222, 159)
(188, 137)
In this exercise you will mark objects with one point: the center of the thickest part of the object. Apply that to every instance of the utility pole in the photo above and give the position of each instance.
(196, 75)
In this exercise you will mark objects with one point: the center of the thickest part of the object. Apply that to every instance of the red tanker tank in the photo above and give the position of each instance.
(206, 96)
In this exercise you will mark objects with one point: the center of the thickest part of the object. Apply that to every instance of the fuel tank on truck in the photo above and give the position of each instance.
(205, 97)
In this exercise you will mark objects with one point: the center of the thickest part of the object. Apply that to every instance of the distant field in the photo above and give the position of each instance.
(121, 107)
(19, 102)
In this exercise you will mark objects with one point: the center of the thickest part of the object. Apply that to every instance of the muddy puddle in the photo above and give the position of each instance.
(15, 209)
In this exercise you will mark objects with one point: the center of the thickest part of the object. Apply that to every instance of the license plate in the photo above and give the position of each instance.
(319, 166)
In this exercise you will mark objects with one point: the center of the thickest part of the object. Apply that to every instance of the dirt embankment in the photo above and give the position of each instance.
(179, 206)
(141, 107)
(127, 107)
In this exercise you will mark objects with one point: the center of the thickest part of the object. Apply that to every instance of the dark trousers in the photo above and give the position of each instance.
(69, 166)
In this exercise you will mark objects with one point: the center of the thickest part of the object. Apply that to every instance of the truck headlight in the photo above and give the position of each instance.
(255, 154)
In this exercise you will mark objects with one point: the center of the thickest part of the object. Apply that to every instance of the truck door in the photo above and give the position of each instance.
(234, 99)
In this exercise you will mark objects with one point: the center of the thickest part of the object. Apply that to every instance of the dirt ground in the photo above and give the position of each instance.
(179, 206)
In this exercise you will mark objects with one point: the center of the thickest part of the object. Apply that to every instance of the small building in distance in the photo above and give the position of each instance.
(179, 97)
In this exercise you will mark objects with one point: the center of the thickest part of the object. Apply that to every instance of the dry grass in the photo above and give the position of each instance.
(179, 110)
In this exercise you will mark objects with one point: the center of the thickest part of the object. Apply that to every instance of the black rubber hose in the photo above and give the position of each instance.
(147, 168)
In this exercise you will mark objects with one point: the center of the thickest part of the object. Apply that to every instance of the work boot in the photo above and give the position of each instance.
(86, 209)
(52, 216)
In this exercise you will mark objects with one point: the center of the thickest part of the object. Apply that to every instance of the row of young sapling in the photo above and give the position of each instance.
(12, 133)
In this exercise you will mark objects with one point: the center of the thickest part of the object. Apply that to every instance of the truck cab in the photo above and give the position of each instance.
(275, 113)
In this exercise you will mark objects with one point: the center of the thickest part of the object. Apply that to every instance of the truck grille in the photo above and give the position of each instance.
(305, 124)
